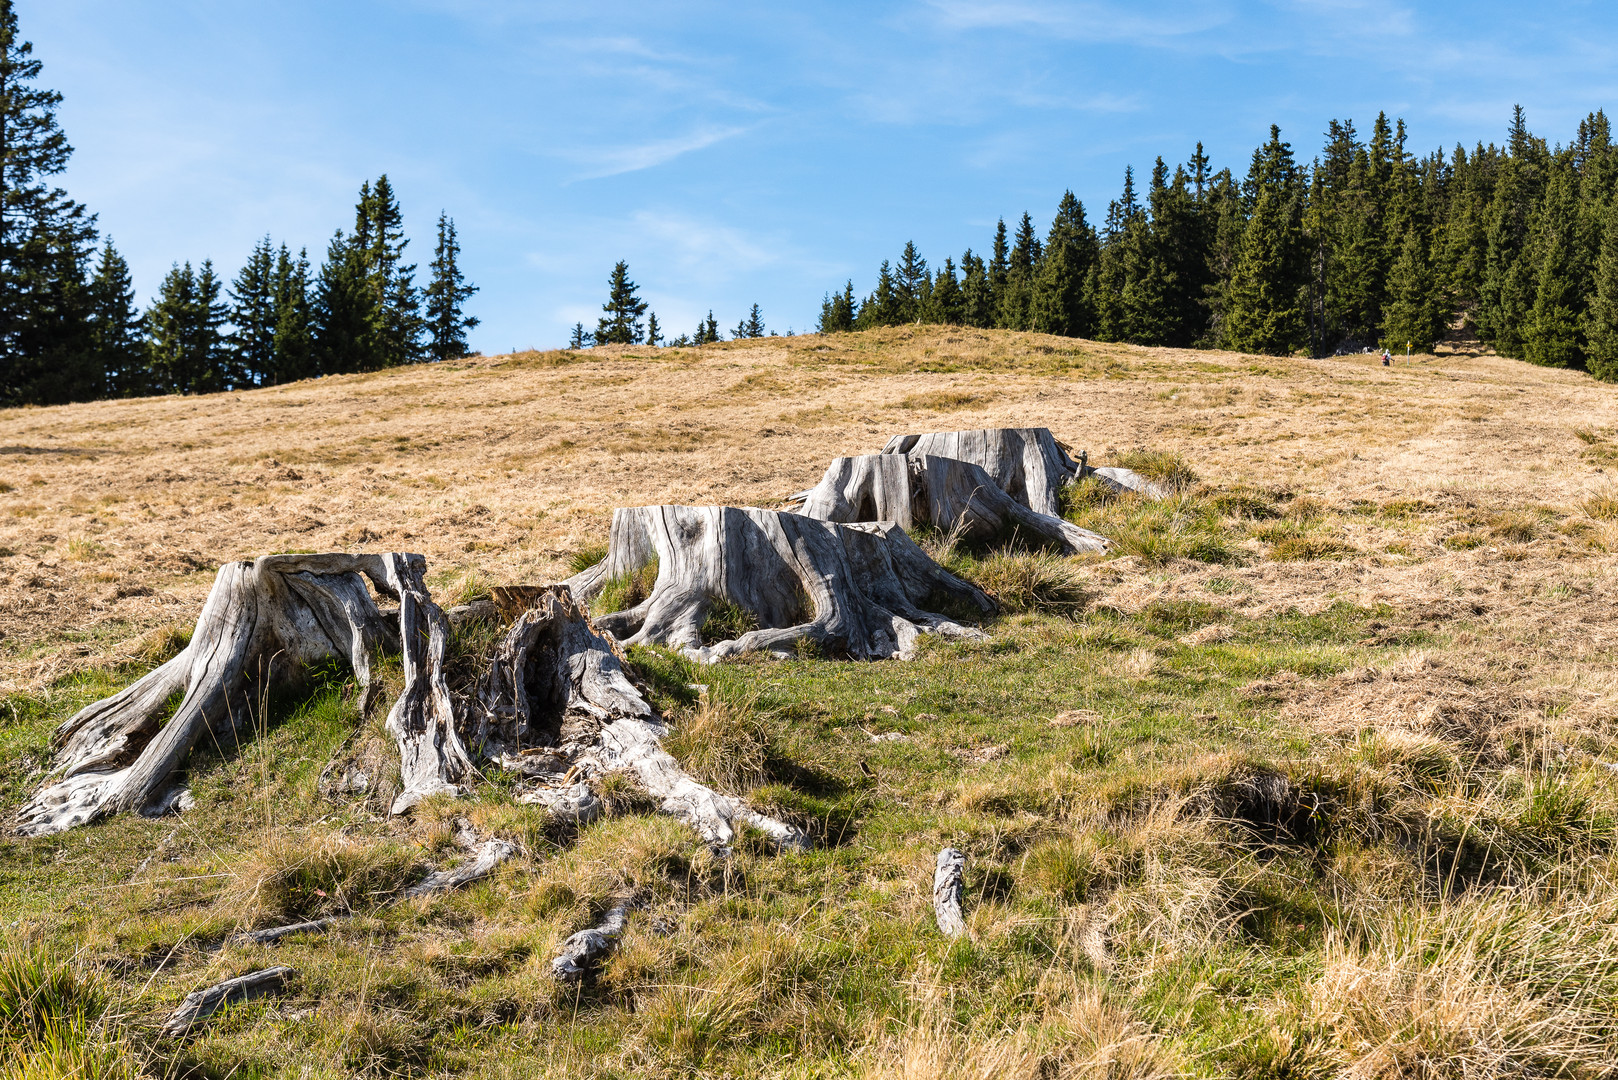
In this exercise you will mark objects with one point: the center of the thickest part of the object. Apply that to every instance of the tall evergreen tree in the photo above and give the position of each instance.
(977, 293)
(117, 332)
(45, 241)
(945, 302)
(883, 307)
(446, 295)
(582, 338)
(345, 314)
(1016, 299)
(1601, 322)
(1414, 320)
(621, 324)
(1552, 334)
(710, 328)
(379, 238)
(911, 284)
(753, 325)
(252, 312)
(1268, 302)
(654, 333)
(294, 334)
(187, 351)
(837, 311)
(1060, 303)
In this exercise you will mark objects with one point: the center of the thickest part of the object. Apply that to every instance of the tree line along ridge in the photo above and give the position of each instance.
(69, 326)
(1368, 244)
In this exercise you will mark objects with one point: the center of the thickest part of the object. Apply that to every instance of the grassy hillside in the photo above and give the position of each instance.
(1313, 776)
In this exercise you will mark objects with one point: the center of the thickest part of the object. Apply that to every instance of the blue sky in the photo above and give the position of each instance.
(736, 153)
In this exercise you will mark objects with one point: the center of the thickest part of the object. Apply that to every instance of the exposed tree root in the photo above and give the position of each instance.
(586, 948)
(485, 857)
(843, 590)
(947, 883)
(201, 1004)
(557, 683)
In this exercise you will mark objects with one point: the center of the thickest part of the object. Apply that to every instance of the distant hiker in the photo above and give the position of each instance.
(1387, 358)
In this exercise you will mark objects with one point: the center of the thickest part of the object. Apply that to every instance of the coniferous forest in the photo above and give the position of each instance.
(1367, 245)
(69, 326)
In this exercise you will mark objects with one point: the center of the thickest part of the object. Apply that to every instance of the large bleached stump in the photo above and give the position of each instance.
(953, 495)
(1028, 464)
(263, 622)
(855, 591)
(557, 690)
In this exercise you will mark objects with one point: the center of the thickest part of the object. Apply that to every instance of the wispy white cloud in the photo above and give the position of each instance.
(599, 162)
(1138, 23)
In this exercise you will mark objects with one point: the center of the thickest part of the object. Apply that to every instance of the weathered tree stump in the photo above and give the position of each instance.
(953, 495)
(1027, 464)
(263, 622)
(556, 683)
(853, 591)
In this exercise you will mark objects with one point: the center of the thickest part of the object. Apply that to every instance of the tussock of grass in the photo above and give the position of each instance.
(1602, 507)
(1159, 531)
(293, 875)
(726, 621)
(1308, 547)
(726, 743)
(585, 557)
(625, 591)
(1024, 581)
(1166, 468)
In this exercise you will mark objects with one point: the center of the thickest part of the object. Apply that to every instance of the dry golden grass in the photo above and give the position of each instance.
(115, 514)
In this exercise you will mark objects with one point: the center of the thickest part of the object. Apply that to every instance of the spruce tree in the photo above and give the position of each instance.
(1552, 334)
(294, 335)
(654, 333)
(837, 311)
(446, 295)
(252, 312)
(1060, 304)
(977, 294)
(621, 324)
(45, 241)
(1413, 321)
(117, 332)
(1017, 296)
(345, 314)
(911, 284)
(581, 339)
(380, 241)
(946, 303)
(883, 307)
(753, 325)
(186, 347)
(1601, 321)
(1267, 294)
(710, 328)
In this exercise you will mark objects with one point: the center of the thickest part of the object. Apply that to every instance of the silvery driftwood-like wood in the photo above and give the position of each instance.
(263, 621)
(201, 1004)
(485, 857)
(1027, 464)
(953, 495)
(947, 883)
(587, 947)
(852, 591)
(556, 682)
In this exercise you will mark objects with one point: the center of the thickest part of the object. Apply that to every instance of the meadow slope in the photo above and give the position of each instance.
(1313, 775)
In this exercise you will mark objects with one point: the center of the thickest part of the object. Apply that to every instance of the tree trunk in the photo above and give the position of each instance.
(1026, 463)
(556, 683)
(431, 757)
(845, 590)
(954, 496)
(262, 623)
